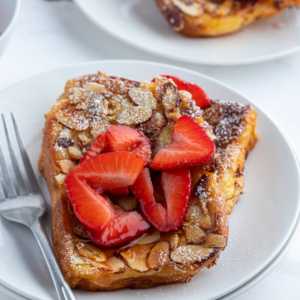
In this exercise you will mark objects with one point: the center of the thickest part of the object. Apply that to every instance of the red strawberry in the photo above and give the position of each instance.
(177, 189)
(198, 94)
(121, 191)
(99, 146)
(107, 171)
(124, 138)
(123, 227)
(189, 147)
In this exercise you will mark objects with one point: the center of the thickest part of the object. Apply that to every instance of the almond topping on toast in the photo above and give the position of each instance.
(159, 255)
(190, 254)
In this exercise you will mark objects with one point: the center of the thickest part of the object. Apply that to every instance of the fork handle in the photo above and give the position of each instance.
(63, 290)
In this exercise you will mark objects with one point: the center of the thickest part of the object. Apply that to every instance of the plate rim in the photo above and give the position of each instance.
(211, 62)
(276, 257)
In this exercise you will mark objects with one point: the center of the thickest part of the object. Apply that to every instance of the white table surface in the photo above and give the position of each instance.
(51, 34)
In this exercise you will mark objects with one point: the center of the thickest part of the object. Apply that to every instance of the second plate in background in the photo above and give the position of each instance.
(141, 24)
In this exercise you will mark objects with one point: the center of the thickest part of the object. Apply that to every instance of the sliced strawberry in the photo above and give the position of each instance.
(121, 191)
(124, 226)
(189, 147)
(106, 171)
(177, 189)
(91, 209)
(98, 147)
(124, 138)
(198, 94)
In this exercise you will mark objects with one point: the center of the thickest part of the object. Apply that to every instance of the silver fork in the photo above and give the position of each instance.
(27, 207)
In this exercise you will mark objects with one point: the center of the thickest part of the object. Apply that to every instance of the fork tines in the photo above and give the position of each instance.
(21, 188)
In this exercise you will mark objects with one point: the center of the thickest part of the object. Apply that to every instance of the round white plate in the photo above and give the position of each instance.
(141, 24)
(260, 226)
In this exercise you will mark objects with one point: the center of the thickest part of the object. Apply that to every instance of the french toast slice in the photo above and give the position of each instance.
(214, 18)
(88, 106)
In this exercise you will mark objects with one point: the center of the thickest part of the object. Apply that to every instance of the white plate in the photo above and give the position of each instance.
(260, 226)
(141, 24)
(9, 11)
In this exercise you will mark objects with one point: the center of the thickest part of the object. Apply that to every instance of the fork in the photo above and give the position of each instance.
(26, 205)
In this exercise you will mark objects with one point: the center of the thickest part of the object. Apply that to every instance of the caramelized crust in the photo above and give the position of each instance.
(234, 126)
(88, 106)
(213, 18)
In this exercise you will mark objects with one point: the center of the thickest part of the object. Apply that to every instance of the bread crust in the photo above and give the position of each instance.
(207, 18)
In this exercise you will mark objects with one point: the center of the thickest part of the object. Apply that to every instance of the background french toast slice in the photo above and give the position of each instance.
(213, 18)
(89, 105)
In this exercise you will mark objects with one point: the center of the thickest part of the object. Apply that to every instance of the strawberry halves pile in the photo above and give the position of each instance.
(117, 163)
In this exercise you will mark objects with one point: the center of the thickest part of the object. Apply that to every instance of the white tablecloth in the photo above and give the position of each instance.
(52, 34)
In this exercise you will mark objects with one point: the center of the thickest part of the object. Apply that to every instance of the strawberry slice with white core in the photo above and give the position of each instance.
(189, 147)
(177, 189)
(123, 227)
(124, 138)
(107, 171)
(98, 147)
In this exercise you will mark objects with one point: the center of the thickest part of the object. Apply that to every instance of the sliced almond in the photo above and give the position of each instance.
(82, 106)
(174, 116)
(203, 207)
(136, 257)
(98, 127)
(134, 115)
(95, 87)
(66, 165)
(170, 97)
(190, 254)
(142, 97)
(185, 96)
(174, 240)
(152, 237)
(72, 119)
(78, 96)
(75, 152)
(195, 216)
(116, 265)
(194, 234)
(98, 265)
(91, 252)
(114, 85)
(193, 10)
(159, 255)
(60, 178)
(159, 86)
(114, 105)
(84, 140)
(65, 133)
(215, 240)
(127, 203)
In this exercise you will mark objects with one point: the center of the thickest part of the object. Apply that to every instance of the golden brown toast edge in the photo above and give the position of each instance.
(218, 19)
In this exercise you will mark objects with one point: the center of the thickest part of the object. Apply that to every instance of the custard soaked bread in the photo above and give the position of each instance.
(217, 17)
(135, 202)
